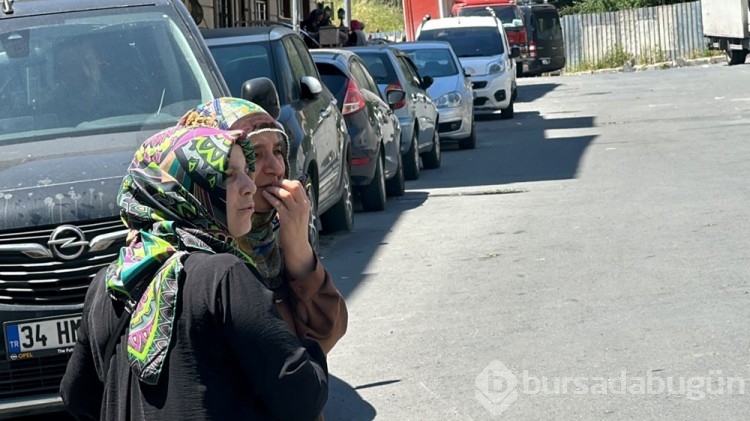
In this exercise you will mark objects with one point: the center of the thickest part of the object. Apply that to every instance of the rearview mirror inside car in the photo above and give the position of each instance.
(262, 91)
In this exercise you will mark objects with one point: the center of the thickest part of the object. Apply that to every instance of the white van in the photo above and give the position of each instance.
(482, 47)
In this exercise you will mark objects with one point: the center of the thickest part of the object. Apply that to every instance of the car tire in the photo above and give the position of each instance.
(507, 113)
(374, 195)
(313, 226)
(411, 159)
(396, 185)
(469, 142)
(341, 216)
(433, 158)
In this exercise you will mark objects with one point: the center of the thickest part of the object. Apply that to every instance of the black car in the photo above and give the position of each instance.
(373, 127)
(84, 83)
(319, 142)
(546, 45)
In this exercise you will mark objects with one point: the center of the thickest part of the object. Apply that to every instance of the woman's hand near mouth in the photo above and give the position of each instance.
(293, 208)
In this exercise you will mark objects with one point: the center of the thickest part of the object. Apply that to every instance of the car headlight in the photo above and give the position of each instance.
(452, 99)
(496, 68)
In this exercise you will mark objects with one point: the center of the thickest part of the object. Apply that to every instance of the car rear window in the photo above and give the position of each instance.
(435, 62)
(477, 41)
(240, 62)
(334, 79)
(104, 70)
(380, 67)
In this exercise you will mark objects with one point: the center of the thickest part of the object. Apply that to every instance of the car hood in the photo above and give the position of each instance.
(444, 85)
(58, 181)
(478, 65)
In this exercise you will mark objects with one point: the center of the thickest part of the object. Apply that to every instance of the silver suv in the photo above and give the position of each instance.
(417, 114)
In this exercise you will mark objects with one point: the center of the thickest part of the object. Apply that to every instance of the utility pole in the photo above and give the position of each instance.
(295, 15)
(348, 8)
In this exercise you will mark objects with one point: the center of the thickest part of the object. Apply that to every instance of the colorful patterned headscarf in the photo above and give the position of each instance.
(173, 198)
(223, 113)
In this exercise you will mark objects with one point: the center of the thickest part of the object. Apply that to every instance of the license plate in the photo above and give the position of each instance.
(40, 337)
(545, 61)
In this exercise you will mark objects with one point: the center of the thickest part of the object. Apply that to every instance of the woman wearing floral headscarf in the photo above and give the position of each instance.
(200, 335)
(278, 241)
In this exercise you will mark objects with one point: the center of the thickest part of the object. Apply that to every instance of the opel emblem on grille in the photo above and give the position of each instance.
(67, 242)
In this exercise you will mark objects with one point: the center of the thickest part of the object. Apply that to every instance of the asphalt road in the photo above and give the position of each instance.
(587, 261)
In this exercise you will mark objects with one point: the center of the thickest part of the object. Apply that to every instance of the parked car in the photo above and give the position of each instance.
(417, 114)
(546, 42)
(373, 127)
(67, 136)
(450, 91)
(482, 47)
(512, 17)
(319, 142)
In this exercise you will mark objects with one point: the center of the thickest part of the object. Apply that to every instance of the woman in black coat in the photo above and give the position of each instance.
(180, 326)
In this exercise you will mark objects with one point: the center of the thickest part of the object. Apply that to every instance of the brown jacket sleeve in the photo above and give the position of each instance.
(315, 309)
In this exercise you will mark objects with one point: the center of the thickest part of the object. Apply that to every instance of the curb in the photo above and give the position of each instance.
(680, 62)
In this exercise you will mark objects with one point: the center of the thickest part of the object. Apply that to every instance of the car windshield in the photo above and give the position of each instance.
(379, 66)
(435, 62)
(477, 41)
(506, 14)
(240, 62)
(104, 71)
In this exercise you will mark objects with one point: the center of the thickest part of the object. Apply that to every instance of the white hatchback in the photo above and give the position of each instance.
(482, 47)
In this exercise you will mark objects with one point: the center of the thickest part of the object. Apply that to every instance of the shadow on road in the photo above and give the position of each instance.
(344, 403)
(530, 93)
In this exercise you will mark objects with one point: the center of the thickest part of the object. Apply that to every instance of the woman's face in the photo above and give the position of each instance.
(269, 165)
(240, 190)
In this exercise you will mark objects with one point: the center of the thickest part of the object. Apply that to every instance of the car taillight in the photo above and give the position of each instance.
(354, 100)
(401, 103)
(532, 49)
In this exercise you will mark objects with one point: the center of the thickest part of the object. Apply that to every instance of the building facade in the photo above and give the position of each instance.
(229, 13)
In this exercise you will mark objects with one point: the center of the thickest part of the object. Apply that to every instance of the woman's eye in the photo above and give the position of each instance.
(277, 152)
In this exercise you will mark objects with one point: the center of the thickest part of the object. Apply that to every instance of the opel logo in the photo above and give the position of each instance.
(67, 242)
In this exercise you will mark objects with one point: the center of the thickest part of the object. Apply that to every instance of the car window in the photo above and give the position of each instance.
(411, 73)
(72, 74)
(380, 67)
(334, 79)
(240, 62)
(435, 62)
(358, 76)
(548, 26)
(298, 68)
(369, 82)
(304, 56)
(477, 41)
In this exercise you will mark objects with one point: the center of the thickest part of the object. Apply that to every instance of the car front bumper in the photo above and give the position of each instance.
(492, 92)
(454, 123)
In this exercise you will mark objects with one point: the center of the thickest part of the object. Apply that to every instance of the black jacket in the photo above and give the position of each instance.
(230, 356)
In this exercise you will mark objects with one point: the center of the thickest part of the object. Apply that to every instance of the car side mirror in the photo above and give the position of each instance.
(262, 91)
(394, 96)
(427, 81)
(311, 87)
(515, 52)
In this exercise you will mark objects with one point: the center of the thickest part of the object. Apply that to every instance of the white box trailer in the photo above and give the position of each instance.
(725, 27)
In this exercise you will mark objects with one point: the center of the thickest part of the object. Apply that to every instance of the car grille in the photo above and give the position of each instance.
(28, 280)
(479, 101)
(479, 85)
(32, 376)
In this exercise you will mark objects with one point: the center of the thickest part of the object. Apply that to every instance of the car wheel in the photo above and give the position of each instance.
(507, 113)
(411, 159)
(396, 186)
(433, 158)
(373, 195)
(313, 226)
(341, 216)
(469, 142)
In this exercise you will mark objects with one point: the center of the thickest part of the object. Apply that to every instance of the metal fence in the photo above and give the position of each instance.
(649, 34)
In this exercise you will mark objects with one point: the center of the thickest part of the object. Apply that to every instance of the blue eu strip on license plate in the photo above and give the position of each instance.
(40, 337)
